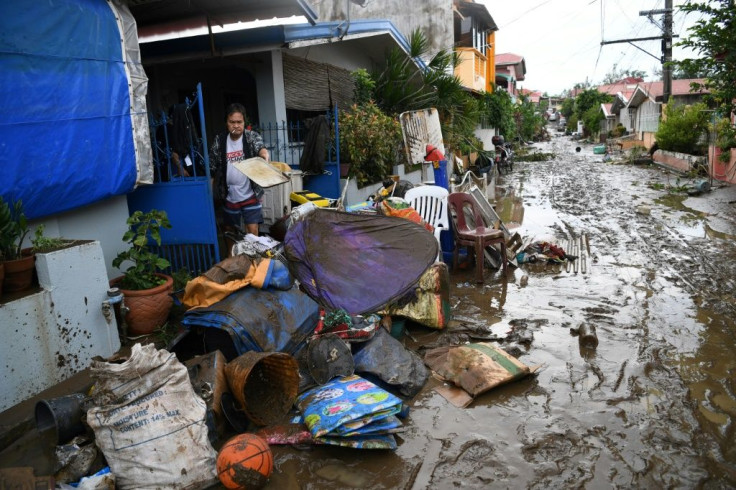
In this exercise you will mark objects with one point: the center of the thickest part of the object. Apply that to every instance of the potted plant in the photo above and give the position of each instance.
(18, 263)
(146, 291)
(44, 244)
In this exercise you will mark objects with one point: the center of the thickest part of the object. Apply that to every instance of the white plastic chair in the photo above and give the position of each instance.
(430, 201)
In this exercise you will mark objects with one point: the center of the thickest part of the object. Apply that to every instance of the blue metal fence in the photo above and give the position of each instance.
(285, 143)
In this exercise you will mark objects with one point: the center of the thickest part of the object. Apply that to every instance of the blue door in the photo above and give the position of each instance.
(182, 187)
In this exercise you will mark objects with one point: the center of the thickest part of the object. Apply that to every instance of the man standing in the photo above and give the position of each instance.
(239, 195)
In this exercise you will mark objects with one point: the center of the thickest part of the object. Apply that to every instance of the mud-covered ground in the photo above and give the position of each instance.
(654, 406)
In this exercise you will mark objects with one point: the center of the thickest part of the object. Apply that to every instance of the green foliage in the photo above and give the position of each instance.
(592, 119)
(682, 127)
(371, 140)
(400, 85)
(617, 74)
(498, 108)
(143, 227)
(181, 278)
(364, 86)
(713, 37)
(42, 243)
(618, 131)
(587, 108)
(725, 138)
(636, 152)
(529, 124)
(13, 229)
(568, 107)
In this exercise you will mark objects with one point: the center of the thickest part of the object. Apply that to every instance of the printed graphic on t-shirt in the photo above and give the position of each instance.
(235, 156)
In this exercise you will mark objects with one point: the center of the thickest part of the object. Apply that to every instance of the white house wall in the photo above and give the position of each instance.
(344, 55)
(625, 118)
(647, 117)
(432, 17)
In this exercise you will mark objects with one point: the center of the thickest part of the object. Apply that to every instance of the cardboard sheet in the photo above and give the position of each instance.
(261, 172)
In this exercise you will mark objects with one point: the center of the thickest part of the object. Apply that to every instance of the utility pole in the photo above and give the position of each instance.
(666, 38)
(667, 52)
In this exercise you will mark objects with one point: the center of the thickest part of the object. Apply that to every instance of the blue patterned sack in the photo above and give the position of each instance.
(345, 405)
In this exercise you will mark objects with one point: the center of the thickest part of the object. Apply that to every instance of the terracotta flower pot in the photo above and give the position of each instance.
(19, 273)
(148, 308)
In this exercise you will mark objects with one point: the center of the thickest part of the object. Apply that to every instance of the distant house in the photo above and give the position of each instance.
(638, 106)
(534, 96)
(474, 32)
(510, 69)
(609, 121)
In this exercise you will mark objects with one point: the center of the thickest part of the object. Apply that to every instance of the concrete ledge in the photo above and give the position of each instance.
(53, 333)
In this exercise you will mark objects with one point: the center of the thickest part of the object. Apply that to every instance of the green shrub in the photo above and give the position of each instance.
(682, 127)
(371, 140)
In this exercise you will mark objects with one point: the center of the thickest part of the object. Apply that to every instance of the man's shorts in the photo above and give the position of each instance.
(250, 215)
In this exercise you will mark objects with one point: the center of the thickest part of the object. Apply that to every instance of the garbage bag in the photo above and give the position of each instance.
(149, 423)
(357, 262)
(386, 358)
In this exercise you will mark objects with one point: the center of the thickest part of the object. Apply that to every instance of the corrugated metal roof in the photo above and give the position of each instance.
(164, 16)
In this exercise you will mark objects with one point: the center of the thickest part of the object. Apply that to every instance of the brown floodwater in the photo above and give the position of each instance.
(653, 406)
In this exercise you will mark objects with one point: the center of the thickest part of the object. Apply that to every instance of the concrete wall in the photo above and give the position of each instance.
(723, 171)
(432, 17)
(51, 334)
(679, 162)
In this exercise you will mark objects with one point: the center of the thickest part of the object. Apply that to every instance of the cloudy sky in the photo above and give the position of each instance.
(560, 39)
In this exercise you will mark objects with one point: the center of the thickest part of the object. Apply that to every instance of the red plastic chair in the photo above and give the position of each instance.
(478, 237)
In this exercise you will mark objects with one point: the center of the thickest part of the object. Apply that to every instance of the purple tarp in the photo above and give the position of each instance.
(357, 262)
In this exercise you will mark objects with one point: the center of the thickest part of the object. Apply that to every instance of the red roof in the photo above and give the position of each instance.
(508, 59)
(679, 87)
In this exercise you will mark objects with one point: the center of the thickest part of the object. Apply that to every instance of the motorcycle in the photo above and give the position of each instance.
(504, 154)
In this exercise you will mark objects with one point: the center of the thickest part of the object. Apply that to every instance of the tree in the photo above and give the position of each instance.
(568, 107)
(616, 75)
(400, 86)
(713, 36)
(588, 108)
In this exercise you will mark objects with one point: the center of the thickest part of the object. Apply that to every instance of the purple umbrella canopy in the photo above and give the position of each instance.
(357, 262)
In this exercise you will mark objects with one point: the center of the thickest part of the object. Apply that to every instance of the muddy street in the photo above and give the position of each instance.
(653, 406)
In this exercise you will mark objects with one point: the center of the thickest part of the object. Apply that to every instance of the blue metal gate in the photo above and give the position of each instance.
(182, 188)
(285, 144)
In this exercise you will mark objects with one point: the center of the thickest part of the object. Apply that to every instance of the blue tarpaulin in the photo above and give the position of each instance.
(261, 320)
(66, 113)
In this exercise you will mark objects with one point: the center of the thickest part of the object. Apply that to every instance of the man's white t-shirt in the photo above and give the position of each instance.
(238, 185)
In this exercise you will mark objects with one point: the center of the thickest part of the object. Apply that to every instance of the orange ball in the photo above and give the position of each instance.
(244, 462)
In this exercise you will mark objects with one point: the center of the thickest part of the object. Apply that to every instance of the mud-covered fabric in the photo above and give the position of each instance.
(351, 411)
(387, 359)
(261, 320)
(431, 306)
(356, 262)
